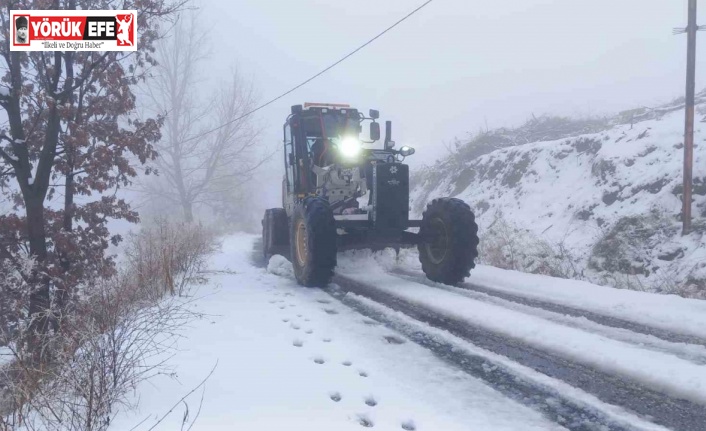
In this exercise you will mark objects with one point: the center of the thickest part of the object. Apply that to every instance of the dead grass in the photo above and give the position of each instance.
(118, 333)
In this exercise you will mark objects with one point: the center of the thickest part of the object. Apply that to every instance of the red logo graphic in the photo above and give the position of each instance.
(126, 35)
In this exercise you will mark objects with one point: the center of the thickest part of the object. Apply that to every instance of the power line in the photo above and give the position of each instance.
(313, 77)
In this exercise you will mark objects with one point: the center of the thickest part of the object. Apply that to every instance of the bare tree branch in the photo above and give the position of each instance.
(194, 171)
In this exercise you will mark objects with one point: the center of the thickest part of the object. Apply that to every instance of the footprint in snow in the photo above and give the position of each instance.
(393, 339)
(362, 373)
(309, 331)
(295, 326)
(370, 401)
(306, 320)
(323, 301)
(330, 311)
(347, 363)
(282, 307)
(365, 421)
(285, 320)
(326, 340)
(335, 396)
(319, 360)
(299, 315)
(370, 322)
(409, 425)
(297, 343)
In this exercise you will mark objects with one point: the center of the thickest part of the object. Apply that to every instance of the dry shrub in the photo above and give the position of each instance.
(118, 333)
(507, 246)
(167, 256)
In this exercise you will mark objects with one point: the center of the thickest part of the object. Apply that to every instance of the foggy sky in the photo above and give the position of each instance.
(457, 65)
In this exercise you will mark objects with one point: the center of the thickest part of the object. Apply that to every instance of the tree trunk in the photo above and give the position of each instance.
(63, 290)
(188, 211)
(39, 299)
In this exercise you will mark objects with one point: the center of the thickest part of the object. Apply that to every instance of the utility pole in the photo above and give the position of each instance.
(690, 31)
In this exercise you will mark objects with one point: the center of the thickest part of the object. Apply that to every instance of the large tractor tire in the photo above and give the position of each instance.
(313, 242)
(275, 232)
(448, 242)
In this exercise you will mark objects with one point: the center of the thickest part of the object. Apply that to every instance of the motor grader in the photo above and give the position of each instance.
(339, 193)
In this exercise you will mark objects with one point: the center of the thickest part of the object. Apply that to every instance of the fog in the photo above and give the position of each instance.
(456, 66)
(450, 70)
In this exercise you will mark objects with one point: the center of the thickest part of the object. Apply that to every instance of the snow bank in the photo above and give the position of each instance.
(611, 199)
(669, 312)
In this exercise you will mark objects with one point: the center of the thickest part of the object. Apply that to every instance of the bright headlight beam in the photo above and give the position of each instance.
(406, 151)
(350, 147)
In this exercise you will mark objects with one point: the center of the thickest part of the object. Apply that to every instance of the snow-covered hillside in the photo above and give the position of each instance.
(595, 201)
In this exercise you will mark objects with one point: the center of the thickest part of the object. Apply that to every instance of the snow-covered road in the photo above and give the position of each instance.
(296, 359)
(301, 359)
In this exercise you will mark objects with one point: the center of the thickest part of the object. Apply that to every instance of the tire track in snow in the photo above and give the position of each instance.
(615, 390)
(573, 415)
(695, 353)
(601, 319)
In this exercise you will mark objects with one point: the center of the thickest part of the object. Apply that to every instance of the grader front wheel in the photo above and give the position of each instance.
(313, 242)
(448, 241)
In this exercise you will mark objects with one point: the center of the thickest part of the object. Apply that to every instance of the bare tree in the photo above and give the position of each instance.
(198, 169)
(70, 124)
(123, 331)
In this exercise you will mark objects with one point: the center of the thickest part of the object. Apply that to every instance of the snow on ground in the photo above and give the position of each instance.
(293, 358)
(670, 312)
(616, 413)
(691, 352)
(664, 372)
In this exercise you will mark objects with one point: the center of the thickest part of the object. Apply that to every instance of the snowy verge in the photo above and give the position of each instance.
(670, 312)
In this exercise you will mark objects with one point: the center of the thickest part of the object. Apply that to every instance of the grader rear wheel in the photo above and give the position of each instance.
(275, 232)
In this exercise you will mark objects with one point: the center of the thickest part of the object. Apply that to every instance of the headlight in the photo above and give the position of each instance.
(406, 151)
(350, 147)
